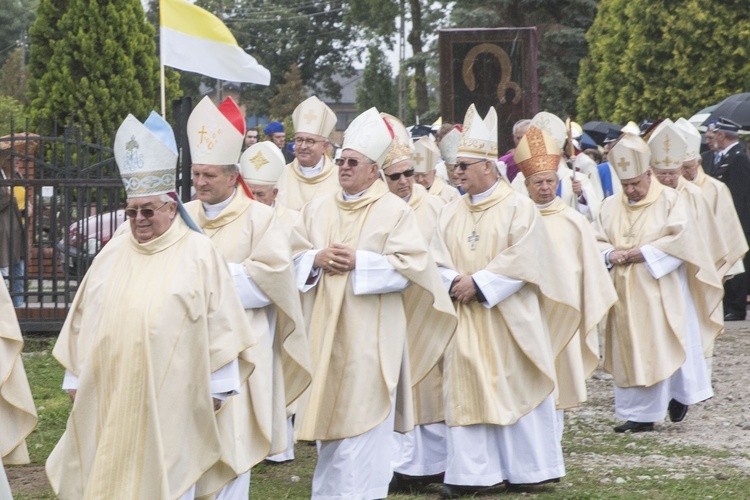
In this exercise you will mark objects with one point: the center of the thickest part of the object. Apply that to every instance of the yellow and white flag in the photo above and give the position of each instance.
(193, 39)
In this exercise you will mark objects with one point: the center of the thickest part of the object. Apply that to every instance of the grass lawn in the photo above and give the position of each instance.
(600, 465)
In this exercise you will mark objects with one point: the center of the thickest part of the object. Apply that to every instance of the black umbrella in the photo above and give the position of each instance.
(598, 130)
(735, 108)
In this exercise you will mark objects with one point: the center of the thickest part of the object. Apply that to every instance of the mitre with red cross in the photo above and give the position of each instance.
(216, 133)
(313, 116)
(537, 152)
(630, 157)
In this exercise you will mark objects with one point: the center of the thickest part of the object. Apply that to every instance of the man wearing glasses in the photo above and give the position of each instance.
(154, 332)
(355, 253)
(312, 173)
(500, 267)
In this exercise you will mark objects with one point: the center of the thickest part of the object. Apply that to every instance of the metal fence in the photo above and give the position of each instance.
(62, 198)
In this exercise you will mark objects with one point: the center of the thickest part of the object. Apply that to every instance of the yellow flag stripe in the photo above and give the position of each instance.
(192, 20)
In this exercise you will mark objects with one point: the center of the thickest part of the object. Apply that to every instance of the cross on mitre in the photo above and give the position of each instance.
(418, 158)
(311, 116)
(623, 164)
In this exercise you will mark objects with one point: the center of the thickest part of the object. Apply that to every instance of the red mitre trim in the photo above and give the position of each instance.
(232, 112)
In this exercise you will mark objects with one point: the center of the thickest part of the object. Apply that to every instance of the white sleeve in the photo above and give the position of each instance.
(583, 209)
(225, 381)
(447, 275)
(373, 274)
(70, 381)
(658, 263)
(495, 287)
(303, 270)
(605, 254)
(250, 295)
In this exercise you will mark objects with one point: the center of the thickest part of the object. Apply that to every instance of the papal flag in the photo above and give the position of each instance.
(193, 39)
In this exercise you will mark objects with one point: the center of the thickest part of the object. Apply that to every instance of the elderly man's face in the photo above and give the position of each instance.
(690, 169)
(213, 183)
(637, 188)
(401, 187)
(279, 138)
(668, 176)
(455, 174)
(426, 178)
(309, 148)
(474, 174)
(518, 134)
(542, 187)
(356, 178)
(264, 194)
(161, 215)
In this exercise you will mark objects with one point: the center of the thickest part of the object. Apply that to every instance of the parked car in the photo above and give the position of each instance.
(86, 237)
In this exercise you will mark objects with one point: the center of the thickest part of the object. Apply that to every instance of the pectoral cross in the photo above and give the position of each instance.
(473, 238)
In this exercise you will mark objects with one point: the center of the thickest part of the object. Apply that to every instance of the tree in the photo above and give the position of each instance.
(13, 81)
(561, 28)
(16, 16)
(92, 63)
(667, 59)
(11, 113)
(377, 87)
(288, 94)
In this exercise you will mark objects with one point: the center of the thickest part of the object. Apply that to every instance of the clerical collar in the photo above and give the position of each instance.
(213, 211)
(350, 197)
(313, 171)
(478, 198)
(544, 205)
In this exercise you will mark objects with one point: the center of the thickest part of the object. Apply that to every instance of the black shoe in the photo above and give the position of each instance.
(677, 411)
(635, 427)
(734, 317)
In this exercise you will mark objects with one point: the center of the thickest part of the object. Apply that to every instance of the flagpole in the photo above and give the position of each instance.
(161, 70)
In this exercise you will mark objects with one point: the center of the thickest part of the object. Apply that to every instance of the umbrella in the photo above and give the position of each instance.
(598, 130)
(736, 108)
(587, 142)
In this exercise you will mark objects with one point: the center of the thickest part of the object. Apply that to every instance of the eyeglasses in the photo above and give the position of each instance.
(299, 141)
(397, 176)
(147, 213)
(352, 162)
(463, 165)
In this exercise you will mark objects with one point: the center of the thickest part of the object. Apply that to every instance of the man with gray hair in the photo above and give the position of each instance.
(519, 130)
(733, 169)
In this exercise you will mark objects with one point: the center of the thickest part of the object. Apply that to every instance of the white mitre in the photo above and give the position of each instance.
(369, 135)
(584, 163)
(630, 157)
(401, 147)
(426, 155)
(215, 133)
(551, 125)
(692, 139)
(478, 137)
(449, 145)
(313, 116)
(146, 155)
(667, 146)
(262, 164)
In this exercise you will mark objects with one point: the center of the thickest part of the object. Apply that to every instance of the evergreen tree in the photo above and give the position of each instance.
(11, 112)
(14, 77)
(561, 28)
(664, 59)
(16, 16)
(377, 87)
(288, 94)
(95, 66)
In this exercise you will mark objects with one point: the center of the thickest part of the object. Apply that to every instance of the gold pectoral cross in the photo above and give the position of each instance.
(473, 238)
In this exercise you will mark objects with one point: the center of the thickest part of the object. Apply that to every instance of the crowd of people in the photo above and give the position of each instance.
(424, 309)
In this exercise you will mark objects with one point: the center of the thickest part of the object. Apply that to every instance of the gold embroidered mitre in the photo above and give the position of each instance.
(401, 147)
(216, 133)
(536, 152)
(551, 125)
(262, 164)
(478, 137)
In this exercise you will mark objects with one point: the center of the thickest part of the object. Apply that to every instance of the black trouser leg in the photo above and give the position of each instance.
(735, 291)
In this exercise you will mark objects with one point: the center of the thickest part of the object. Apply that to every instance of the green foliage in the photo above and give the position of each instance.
(11, 110)
(16, 16)
(14, 77)
(92, 63)
(561, 27)
(377, 87)
(288, 94)
(663, 59)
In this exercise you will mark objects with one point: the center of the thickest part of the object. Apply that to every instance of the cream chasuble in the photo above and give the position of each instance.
(645, 334)
(286, 216)
(358, 340)
(254, 422)
(720, 200)
(577, 250)
(295, 190)
(428, 394)
(441, 189)
(17, 411)
(148, 326)
(500, 364)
